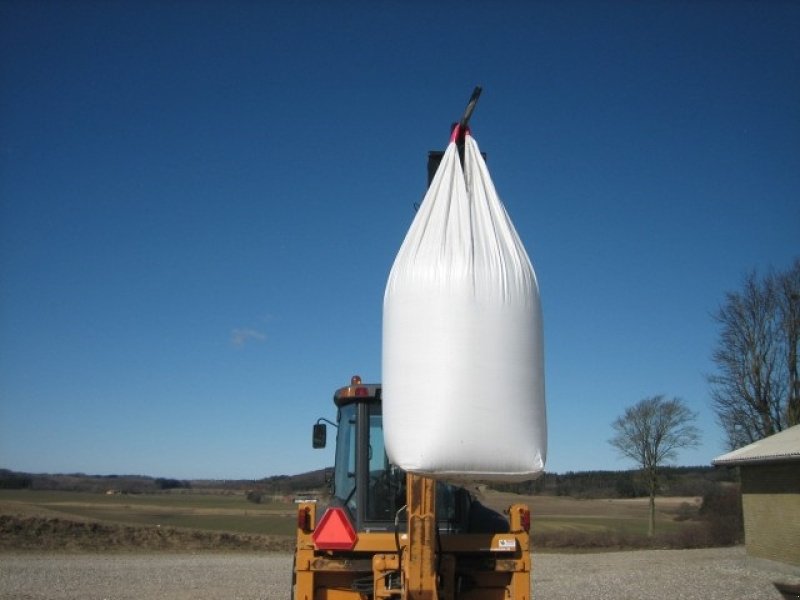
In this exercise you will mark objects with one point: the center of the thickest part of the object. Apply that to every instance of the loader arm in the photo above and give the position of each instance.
(419, 565)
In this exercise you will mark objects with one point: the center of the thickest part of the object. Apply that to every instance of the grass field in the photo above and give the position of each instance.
(557, 521)
(629, 517)
(211, 512)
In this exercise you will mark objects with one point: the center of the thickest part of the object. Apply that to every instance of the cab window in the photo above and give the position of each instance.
(386, 491)
(344, 483)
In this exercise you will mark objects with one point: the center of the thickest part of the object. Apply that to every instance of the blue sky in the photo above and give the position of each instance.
(200, 204)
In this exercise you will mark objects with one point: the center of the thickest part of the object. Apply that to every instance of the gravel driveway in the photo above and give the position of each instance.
(657, 574)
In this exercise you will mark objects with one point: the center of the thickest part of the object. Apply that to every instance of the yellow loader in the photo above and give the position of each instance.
(390, 534)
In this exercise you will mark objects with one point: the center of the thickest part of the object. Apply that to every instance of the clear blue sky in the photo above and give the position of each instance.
(200, 203)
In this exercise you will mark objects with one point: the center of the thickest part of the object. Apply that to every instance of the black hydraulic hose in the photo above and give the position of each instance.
(438, 550)
(350, 495)
(397, 539)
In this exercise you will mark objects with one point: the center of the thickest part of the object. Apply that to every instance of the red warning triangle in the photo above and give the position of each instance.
(334, 531)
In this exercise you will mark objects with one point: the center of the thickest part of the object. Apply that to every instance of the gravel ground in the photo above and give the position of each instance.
(658, 574)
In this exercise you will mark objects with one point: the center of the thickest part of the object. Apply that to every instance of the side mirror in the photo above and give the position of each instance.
(319, 436)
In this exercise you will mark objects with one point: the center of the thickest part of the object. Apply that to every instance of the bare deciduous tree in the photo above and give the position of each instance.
(650, 433)
(755, 391)
(788, 290)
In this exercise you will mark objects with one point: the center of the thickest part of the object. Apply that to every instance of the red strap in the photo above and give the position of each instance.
(458, 134)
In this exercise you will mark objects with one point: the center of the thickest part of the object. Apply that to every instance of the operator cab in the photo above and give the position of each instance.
(372, 489)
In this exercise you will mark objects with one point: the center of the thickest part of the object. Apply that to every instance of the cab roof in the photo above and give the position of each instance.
(357, 392)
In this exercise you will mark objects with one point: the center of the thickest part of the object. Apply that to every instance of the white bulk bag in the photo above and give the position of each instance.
(463, 373)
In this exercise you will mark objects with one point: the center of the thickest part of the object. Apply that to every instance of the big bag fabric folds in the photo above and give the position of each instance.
(463, 369)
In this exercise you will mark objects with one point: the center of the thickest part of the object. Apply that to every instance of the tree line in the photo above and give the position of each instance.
(675, 481)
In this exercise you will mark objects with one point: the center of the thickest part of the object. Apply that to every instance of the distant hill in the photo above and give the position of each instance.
(142, 484)
(676, 481)
(80, 482)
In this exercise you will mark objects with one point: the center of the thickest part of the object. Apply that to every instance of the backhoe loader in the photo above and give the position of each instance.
(390, 534)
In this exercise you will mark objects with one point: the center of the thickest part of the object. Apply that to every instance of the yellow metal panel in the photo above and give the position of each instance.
(378, 542)
(353, 566)
(337, 594)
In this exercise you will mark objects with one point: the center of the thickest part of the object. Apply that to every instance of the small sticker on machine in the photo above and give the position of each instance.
(506, 545)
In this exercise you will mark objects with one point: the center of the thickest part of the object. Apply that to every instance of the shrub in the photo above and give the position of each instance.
(685, 512)
(14, 481)
(722, 512)
(170, 484)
